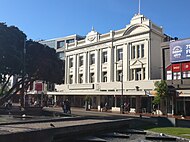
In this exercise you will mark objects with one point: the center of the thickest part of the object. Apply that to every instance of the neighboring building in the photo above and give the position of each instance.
(61, 43)
(105, 66)
(176, 72)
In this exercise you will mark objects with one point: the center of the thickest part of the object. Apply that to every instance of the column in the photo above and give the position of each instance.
(85, 71)
(110, 64)
(99, 102)
(147, 55)
(134, 73)
(66, 70)
(74, 69)
(88, 68)
(67, 65)
(77, 68)
(115, 63)
(128, 59)
(97, 65)
(55, 100)
(100, 66)
(125, 67)
(115, 102)
(138, 103)
(142, 74)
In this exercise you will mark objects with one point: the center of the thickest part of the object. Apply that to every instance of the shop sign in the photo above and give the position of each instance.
(180, 51)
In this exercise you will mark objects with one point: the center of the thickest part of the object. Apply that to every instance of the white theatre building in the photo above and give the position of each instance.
(96, 64)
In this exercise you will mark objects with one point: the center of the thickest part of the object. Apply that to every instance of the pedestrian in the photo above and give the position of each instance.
(63, 105)
(68, 106)
(106, 106)
(126, 107)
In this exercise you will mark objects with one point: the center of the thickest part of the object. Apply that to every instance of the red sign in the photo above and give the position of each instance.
(186, 66)
(169, 68)
(176, 68)
(38, 86)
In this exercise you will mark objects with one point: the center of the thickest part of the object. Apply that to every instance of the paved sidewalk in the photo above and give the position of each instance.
(92, 113)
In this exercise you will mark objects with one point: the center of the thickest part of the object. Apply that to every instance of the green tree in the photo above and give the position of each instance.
(11, 52)
(39, 62)
(161, 89)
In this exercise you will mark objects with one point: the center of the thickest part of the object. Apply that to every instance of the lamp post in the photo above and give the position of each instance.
(121, 80)
(23, 75)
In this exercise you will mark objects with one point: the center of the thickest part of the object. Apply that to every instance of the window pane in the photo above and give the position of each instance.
(133, 52)
(120, 54)
(104, 79)
(92, 59)
(104, 57)
(71, 79)
(142, 50)
(80, 78)
(60, 44)
(138, 51)
(71, 62)
(80, 60)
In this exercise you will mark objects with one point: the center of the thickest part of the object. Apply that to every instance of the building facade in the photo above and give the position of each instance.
(176, 72)
(118, 66)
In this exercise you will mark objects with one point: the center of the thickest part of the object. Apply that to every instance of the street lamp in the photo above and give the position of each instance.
(23, 75)
(121, 80)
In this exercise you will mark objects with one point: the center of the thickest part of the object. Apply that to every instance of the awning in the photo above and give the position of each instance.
(183, 93)
(150, 93)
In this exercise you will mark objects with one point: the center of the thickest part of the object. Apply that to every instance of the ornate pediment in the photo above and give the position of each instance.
(136, 63)
(92, 36)
(136, 29)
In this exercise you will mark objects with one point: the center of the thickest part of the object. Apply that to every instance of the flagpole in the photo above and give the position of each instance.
(139, 7)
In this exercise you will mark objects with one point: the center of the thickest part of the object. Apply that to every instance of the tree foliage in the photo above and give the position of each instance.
(161, 89)
(26, 60)
(11, 47)
(42, 63)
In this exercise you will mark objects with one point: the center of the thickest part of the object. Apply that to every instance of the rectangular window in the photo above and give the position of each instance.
(186, 74)
(132, 74)
(105, 58)
(61, 55)
(71, 62)
(92, 78)
(80, 78)
(119, 54)
(81, 60)
(104, 77)
(177, 75)
(144, 73)
(71, 79)
(138, 51)
(133, 52)
(119, 75)
(70, 41)
(138, 74)
(186, 69)
(60, 44)
(92, 59)
(169, 75)
(142, 50)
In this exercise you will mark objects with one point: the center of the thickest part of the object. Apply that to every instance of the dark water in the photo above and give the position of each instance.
(132, 138)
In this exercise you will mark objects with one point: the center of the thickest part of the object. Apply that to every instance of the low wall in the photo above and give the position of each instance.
(62, 133)
(172, 122)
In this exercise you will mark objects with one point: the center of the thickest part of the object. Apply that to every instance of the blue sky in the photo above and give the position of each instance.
(47, 19)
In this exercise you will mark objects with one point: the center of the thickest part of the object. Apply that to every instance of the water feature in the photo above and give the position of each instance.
(138, 136)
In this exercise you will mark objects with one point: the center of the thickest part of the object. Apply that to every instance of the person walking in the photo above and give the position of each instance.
(68, 106)
(63, 105)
